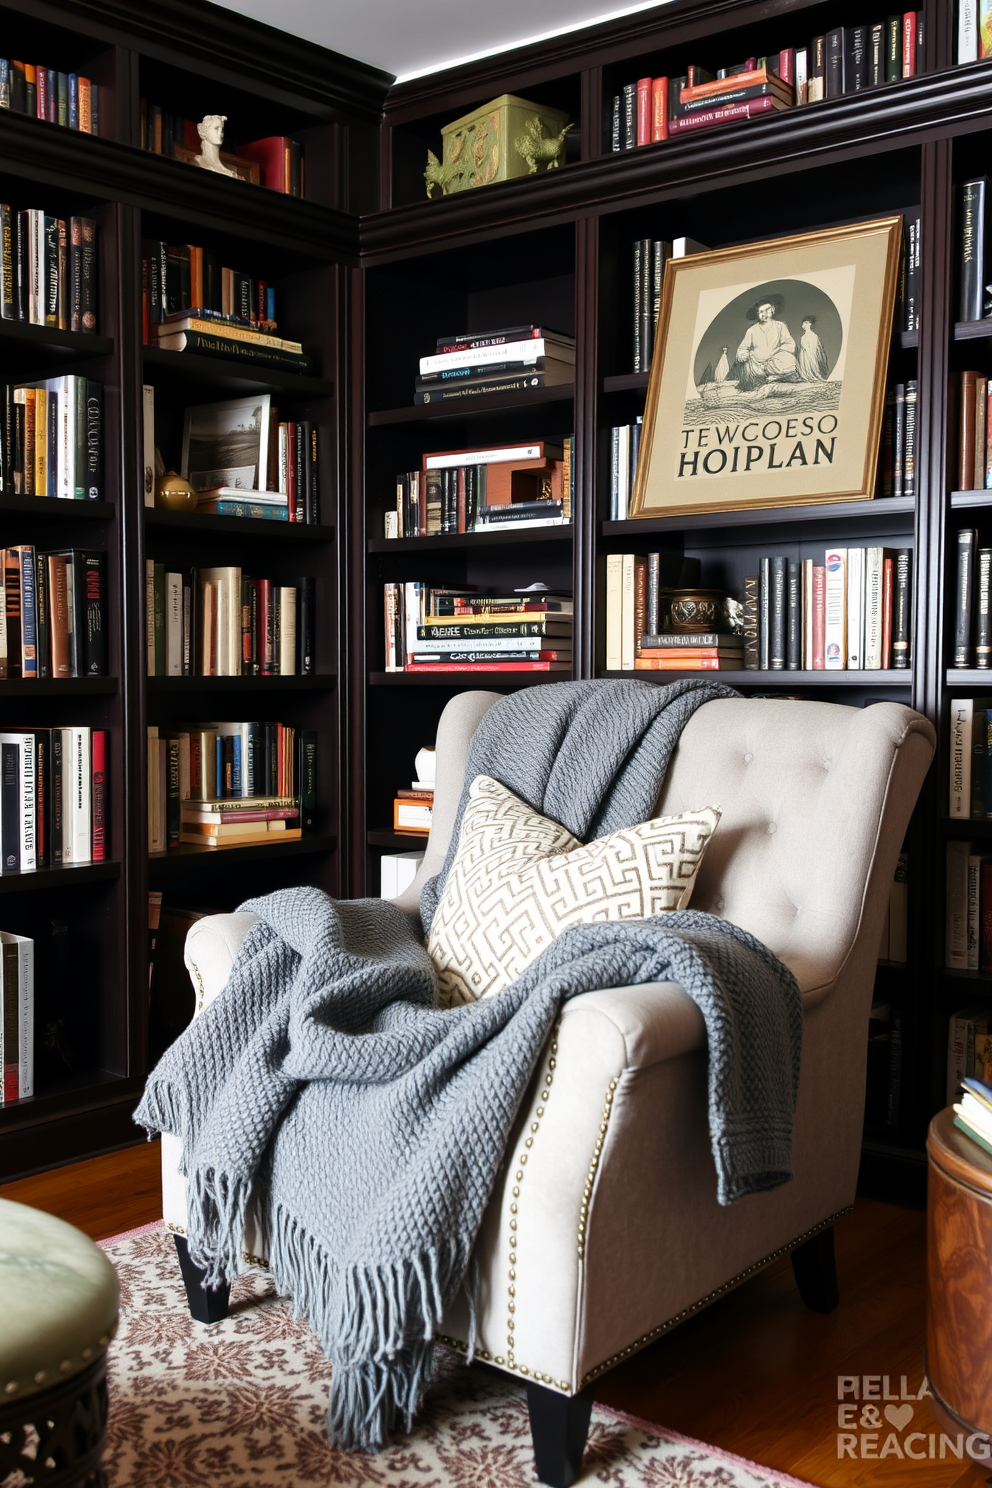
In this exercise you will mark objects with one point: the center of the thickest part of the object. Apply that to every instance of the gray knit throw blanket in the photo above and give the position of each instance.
(366, 1127)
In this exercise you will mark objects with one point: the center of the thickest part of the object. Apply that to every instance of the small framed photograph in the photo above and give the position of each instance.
(767, 387)
(226, 444)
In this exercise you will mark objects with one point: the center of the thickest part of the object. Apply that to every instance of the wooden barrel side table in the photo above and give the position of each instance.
(959, 1276)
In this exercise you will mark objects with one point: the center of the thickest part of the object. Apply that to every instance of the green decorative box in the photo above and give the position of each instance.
(508, 137)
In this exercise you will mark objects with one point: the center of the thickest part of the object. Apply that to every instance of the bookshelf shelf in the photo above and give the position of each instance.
(24, 346)
(47, 687)
(187, 854)
(964, 826)
(972, 330)
(779, 680)
(54, 509)
(970, 500)
(65, 877)
(448, 542)
(310, 682)
(471, 408)
(183, 369)
(462, 681)
(894, 513)
(969, 677)
(397, 841)
(236, 529)
(73, 1095)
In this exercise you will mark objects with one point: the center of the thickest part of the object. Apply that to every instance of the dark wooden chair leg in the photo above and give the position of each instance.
(559, 1425)
(815, 1269)
(206, 1304)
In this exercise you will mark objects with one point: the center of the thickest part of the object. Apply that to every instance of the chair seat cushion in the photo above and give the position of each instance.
(518, 880)
(60, 1301)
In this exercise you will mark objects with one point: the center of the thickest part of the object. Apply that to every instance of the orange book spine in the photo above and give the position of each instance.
(659, 109)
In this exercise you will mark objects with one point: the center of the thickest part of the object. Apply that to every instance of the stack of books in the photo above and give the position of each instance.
(50, 269)
(636, 591)
(16, 1016)
(413, 809)
(230, 784)
(707, 652)
(221, 622)
(52, 438)
(52, 621)
(43, 93)
(214, 333)
(460, 631)
(513, 359)
(973, 1111)
(897, 467)
(479, 490)
(53, 797)
(973, 603)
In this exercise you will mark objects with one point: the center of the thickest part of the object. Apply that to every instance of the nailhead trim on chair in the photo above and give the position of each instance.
(518, 1179)
(201, 995)
(666, 1327)
(246, 1255)
(594, 1164)
(51, 1376)
(534, 1374)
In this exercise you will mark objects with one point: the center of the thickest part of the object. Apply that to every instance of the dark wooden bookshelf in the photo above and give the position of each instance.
(301, 682)
(48, 687)
(785, 680)
(66, 877)
(186, 370)
(396, 841)
(256, 852)
(192, 525)
(470, 408)
(502, 536)
(464, 681)
(890, 513)
(55, 509)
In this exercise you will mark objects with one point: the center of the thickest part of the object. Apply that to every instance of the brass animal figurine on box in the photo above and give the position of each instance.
(536, 146)
(437, 174)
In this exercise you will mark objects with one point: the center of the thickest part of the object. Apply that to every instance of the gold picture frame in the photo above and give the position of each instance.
(245, 170)
(767, 387)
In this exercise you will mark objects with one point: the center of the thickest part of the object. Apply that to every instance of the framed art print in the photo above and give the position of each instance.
(226, 444)
(767, 386)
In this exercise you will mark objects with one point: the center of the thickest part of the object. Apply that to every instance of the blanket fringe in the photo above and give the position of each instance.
(216, 1209)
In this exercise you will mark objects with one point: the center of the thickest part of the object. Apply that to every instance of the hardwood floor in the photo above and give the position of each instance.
(756, 1374)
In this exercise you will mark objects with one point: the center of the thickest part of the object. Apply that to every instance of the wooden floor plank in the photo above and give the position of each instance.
(755, 1374)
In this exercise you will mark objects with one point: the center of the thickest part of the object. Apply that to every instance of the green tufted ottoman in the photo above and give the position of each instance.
(58, 1313)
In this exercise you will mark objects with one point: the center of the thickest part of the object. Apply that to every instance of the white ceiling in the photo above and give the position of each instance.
(411, 37)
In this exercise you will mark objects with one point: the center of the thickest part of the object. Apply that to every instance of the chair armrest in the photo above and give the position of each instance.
(211, 948)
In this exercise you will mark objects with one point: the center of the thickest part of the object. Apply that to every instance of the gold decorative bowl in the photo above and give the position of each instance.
(695, 611)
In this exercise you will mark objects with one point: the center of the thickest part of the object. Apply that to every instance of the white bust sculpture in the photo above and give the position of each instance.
(211, 132)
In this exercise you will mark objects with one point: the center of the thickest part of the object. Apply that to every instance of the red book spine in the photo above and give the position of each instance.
(41, 95)
(985, 917)
(482, 666)
(644, 111)
(887, 615)
(659, 109)
(909, 44)
(751, 65)
(727, 115)
(819, 617)
(787, 66)
(99, 795)
(461, 499)
(265, 626)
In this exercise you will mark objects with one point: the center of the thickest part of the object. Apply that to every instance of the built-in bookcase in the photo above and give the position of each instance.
(90, 921)
(903, 147)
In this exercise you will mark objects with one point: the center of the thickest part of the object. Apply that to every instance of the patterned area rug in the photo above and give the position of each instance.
(243, 1403)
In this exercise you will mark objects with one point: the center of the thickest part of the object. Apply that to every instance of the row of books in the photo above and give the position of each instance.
(63, 98)
(974, 39)
(52, 613)
(650, 255)
(53, 797)
(49, 269)
(16, 1016)
(510, 359)
(970, 759)
(972, 603)
(974, 466)
(279, 158)
(230, 784)
(625, 443)
(968, 922)
(220, 622)
(413, 809)
(183, 279)
(897, 467)
(459, 491)
(975, 296)
(843, 60)
(451, 630)
(287, 463)
(638, 593)
(51, 438)
(969, 1049)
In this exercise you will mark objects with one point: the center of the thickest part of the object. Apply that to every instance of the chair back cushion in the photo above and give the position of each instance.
(519, 879)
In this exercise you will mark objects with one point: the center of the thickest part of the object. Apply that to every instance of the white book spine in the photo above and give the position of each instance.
(413, 614)
(66, 735)
(855, 608)
(485, 457)
(284, 459)
(835, 610)
(173, 625)
(287, 633)
(956, 922)
(628, 645)
(79, 798)
(962, 714)
(623, 488)
(874, 574)
(614, 606)
(148, 442)
(27, 844)
(25, 1016)
(507, 643)
(486, 356)
(967, 31)
(807, 614)
(389, 626)
(974, 917)
(149, 617)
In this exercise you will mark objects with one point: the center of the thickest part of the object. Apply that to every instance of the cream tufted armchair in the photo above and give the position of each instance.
(618, 1181)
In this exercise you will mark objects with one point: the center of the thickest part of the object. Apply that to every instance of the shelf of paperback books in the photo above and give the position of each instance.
(180, 370)
(465, 677)
(183, 525)
(60, 877)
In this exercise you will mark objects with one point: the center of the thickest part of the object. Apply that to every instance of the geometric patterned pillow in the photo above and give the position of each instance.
(518, 880)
